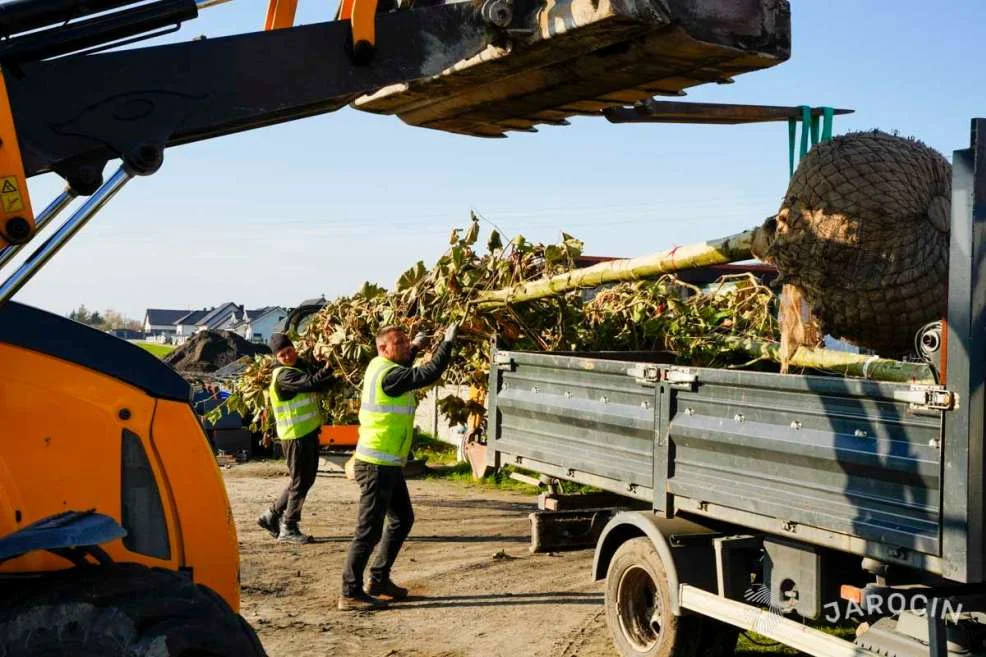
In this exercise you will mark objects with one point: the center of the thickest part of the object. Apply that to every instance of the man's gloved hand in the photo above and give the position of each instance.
(451, 332)
(420, 340)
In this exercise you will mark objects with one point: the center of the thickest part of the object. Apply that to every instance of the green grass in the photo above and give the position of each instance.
(753, 644)
(441, 460)
(763, 646)
(159, 350)
(434, 451)
(462, 473)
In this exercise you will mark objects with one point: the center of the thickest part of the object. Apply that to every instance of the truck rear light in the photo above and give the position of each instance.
(851, 593)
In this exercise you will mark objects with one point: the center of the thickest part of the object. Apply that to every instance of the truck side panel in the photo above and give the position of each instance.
(831, 453)
(584, 415)
(832, 461)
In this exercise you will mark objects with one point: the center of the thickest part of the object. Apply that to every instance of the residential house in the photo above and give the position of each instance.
(160, 322)
(219, 318)
(188, 325)
(257, 325)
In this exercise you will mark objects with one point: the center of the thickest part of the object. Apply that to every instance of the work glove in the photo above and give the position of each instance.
(420, 340)
(451, 332)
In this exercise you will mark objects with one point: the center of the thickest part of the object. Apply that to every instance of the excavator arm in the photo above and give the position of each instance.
(71, 114)
(480, 67)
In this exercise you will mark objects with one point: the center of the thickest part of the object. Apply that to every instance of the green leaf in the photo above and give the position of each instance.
(370, 291)
(458, 256)
(338, 336)
(412, 276)
(473, 234)
(553, 254)
(494, 243)
(572, 246)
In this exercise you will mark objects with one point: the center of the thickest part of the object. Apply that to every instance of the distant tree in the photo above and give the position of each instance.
(83, 315)
(108, 319)
(116, 320)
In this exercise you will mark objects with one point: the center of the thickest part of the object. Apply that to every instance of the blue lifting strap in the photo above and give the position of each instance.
(814, 129)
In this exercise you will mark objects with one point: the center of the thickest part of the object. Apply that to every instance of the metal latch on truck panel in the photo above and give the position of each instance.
(503, 361)
(681, 377)
(645, 374)
(927, 398)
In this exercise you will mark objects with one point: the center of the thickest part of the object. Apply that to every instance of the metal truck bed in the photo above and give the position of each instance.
(842, 463)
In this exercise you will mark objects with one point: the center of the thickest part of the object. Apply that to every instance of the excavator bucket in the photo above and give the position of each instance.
(559, 58)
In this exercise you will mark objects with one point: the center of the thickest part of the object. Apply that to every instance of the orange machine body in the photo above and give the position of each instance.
(16, 216)
(360, 13)
(343, 436)
(93, 422)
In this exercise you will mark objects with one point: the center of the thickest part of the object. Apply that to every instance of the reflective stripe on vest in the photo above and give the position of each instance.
(296, 417)
(386, 423)
(373, 456)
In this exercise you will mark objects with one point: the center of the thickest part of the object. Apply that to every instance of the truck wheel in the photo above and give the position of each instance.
(638, 606)
(122, 610)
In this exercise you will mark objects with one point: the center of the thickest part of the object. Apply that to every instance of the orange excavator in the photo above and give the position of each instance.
(116, 535)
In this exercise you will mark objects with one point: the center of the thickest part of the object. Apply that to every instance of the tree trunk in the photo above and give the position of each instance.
(859, 365)
(728, 249)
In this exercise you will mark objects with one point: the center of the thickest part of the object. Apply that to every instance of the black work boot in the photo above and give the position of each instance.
(359, 601)
(291, 534)
(271, 522)
(387, 589)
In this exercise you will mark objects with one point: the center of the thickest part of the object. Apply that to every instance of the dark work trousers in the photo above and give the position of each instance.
(383, 495)
(302, 457)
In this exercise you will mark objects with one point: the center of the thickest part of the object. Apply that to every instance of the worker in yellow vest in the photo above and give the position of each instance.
(386, 419)
(298, 418)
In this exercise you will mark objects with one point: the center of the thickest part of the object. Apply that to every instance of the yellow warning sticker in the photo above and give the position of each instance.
(10, 195)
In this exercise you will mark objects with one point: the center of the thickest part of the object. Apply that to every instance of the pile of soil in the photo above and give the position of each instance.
(208, 351)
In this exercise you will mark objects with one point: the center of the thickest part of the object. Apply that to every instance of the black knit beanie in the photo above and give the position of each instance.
(279, 341)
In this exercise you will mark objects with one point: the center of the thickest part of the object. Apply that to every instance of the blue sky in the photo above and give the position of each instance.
(319, 205)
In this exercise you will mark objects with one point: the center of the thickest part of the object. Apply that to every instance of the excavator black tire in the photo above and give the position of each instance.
(120, 610)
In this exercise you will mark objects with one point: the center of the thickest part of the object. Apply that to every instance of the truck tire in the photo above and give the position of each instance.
(122, 610)
(638, 606)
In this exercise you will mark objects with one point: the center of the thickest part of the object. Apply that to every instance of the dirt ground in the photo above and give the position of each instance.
(475, 588)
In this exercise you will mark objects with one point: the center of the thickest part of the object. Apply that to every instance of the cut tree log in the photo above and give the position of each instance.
(734, 248)
(848, 364)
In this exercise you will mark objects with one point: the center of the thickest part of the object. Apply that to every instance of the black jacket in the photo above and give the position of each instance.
(403, 379)
(290, 382)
